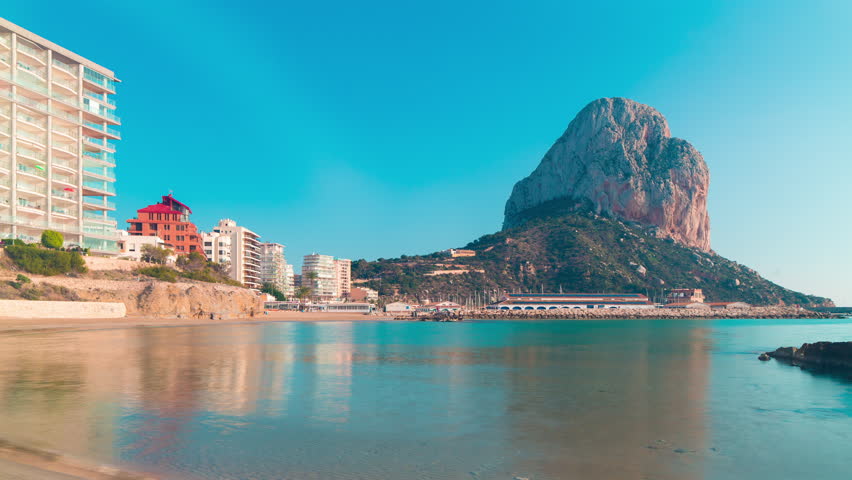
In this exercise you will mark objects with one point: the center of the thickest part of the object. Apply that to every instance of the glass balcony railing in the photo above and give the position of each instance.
(61, 162)
(64, 178)
(70, 100)
(100, 110)
(98, 202)
(98, 215)
(66, 147)
(29, 187)
(98, 229)
(70, 116)
(65, 83)
(36, 72)
(39, 172)
(30, 136)
(55, 192)
(63, 211)
(5, 40)
(71, 132)
(39, 54)
(70, 69)
(103, 156)
(98, 79)
(65, 227)
(23, 202)
(23, 117)
(113, 131)
(30, 153)
(100, 185)
(108, 172)
(31, 103)
(32, 84)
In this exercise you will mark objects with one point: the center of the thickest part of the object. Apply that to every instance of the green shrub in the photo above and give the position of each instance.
(22, 279)
(39, 261)
(52, 239)
(165, 274)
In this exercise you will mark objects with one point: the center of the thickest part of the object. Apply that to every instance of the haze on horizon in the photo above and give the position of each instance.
(377, 129)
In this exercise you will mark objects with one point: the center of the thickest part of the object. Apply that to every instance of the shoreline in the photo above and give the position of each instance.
(11, 325)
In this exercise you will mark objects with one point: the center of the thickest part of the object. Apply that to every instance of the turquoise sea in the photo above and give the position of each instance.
(634, 399)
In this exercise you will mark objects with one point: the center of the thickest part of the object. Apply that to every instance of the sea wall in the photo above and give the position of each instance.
(33, 309)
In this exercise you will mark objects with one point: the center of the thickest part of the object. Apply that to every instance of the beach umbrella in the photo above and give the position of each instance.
(39, 167)
(68, 189)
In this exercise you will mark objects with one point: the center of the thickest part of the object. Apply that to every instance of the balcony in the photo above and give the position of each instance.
(106, 172)
(64, 227)
(98, 203)
(36, 172)
(101, 112)
(29, 154)
(99, 142)
(31, 85)
(64, 195)
(98, 216)
(98, 229)
(30, 206)
(66, 84)
(33, 140)
(64, 67)
(32, 103)
(102, 156)
(35, 72)
(68, 99)
(66, 148)
(32, 52)
(71, 133)
(69, 212)
(96, 78)
(29, 120)
(64, 179)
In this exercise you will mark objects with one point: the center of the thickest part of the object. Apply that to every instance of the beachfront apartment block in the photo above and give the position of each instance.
(241, 249)
(320, 275)
(275, 270)
(331, 276)
(343, 277)
(58, 129)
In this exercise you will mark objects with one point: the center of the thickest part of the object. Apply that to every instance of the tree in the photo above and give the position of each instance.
(272, 290)
(194, 262)
(52, 239)
(155, 254)
(302, 293)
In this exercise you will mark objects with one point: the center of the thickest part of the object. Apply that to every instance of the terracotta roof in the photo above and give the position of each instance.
(159, 208)
(169, 198)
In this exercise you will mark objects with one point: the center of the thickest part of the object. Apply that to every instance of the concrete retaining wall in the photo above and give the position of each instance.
(36, 309)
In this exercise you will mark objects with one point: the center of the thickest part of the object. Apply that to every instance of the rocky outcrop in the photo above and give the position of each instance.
(618, 156)
(163, 299)
(821, 354)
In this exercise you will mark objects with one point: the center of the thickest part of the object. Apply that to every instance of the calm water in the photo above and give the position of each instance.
(473, 400)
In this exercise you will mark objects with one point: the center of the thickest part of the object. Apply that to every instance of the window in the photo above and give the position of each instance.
(208, 244)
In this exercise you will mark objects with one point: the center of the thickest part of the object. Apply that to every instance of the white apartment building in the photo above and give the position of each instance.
(323, 285)
(241, 249)
(130, 246)
(343, 277)
(274, 268)
(57, 143)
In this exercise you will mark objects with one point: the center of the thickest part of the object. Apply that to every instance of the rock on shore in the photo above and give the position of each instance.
(823, 354)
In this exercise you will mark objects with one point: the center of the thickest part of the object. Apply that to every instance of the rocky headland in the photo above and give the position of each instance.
(617, 205)
(619, 158)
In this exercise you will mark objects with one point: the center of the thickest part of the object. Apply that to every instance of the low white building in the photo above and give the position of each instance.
(130, 246)
(398, 307)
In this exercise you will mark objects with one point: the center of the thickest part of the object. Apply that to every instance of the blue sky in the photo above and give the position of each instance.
(380, 128)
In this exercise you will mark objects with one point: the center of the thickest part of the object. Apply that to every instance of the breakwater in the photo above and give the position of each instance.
(824, 354)
(636, 313)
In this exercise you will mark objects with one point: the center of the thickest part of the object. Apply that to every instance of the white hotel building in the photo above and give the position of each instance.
(57, 142)
(238, 246)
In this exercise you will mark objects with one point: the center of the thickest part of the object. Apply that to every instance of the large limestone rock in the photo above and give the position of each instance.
(619, 156)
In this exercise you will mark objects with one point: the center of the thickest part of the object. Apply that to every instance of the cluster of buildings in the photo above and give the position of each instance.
(58, 133)
(248, 260)
(675, 298)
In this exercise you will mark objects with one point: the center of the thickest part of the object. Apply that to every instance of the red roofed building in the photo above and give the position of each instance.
(168, 220)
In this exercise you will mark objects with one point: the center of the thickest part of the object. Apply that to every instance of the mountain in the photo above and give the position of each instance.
(619, 158)
(616, 205)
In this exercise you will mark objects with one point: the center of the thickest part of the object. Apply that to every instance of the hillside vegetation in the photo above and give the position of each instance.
(577, 252)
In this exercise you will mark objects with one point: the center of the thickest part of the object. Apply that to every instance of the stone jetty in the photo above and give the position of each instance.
(637, 313)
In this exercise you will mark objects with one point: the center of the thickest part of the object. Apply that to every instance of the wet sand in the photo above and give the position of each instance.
(12, 325)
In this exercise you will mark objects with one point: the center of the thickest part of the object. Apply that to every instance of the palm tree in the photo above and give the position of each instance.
(303, 292)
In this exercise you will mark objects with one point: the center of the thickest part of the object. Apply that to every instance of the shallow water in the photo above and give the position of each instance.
(474, 400)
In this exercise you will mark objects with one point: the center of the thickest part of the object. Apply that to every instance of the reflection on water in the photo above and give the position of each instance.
(386, 400)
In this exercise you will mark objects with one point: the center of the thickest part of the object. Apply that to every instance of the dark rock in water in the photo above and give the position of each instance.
(824, 354)
(764, 357)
